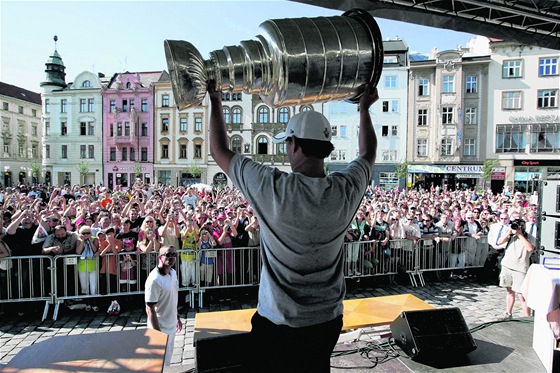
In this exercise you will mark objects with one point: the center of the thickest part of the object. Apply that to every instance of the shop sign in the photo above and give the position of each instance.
(468, 176)
(536, 162)
(498, 175)
(132, 168)
(445, 169)
(535, 119)
(456, 169)
(220, 179)
(425, 169)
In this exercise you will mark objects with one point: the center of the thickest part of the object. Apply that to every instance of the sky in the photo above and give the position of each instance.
(116, 36)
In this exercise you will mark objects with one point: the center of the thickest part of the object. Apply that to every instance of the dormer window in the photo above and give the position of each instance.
(86, 84)
(128, 85)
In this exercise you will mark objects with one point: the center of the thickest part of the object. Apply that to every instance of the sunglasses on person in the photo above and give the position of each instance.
(86, 233)
(170, 255)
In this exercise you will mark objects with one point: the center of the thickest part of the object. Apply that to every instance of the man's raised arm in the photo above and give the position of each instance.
(368, 139)
(219, 148)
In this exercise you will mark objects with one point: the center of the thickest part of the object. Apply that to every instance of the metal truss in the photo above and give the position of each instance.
(532, 22)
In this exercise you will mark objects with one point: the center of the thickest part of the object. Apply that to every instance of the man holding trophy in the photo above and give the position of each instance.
(299, 313)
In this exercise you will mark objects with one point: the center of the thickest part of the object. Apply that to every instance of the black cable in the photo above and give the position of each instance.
(367, 352)
(490, 323)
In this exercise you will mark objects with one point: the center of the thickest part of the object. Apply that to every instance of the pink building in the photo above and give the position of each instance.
(128, 128)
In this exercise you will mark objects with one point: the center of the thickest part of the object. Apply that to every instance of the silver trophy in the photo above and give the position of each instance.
(292, 62)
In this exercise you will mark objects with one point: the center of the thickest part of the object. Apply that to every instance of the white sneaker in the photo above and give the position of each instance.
(358, 273)
(117, 308)
(113, 308)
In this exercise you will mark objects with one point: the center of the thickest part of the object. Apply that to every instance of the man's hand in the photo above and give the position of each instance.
(212, 92)
(369, 96)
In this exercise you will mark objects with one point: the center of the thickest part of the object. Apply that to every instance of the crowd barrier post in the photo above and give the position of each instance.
(25, 279)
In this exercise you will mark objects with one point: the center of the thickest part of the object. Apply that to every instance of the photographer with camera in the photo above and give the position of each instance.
(515, 264)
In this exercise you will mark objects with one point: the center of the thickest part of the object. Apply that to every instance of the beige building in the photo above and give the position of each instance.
(524, 119)
(20, 156)
(447, 97)
(180, 139)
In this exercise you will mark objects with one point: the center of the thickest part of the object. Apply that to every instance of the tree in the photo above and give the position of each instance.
(138, 169)
(487, 167)
(35, 171)
(83, 169)
(402, 171)
(195, 170)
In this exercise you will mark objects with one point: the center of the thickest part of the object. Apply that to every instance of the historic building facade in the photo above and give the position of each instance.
(72, 126)
(180, 139)
(389, 116)
(524, 118)
(251, 124)
(128, 128)
(447, 119)
(20, 155)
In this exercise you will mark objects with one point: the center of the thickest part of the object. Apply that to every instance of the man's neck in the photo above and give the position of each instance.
(310, 167)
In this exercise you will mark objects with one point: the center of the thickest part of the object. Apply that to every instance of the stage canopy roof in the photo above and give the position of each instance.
(531, 22)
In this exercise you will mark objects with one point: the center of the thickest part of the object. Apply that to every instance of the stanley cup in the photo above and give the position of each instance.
(292, 62)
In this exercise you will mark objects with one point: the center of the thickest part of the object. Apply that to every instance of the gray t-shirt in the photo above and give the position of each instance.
(302, 223)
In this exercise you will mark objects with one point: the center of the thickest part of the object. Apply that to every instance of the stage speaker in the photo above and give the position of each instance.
(222, 354)
(432, 333)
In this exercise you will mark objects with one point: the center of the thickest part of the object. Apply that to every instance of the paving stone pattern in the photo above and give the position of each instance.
(479, 303)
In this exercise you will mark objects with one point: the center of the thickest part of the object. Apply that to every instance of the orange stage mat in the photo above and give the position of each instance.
(358, 313)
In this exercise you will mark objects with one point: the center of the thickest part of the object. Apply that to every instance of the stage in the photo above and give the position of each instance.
(502, 347)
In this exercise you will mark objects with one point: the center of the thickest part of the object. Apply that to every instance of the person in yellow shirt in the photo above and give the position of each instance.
(189, 238)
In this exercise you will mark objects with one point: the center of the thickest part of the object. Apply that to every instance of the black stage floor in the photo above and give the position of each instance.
(501, 347)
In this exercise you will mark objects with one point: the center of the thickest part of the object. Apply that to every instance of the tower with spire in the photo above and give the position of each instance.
(55, 75)
(72, 123)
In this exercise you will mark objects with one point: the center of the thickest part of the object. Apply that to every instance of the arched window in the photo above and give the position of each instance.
(86, 84)
(236, 116)
(226, 96)
(128, 85)
(284, 115)
(263, 114)
(305, 108)
(227, 116)
(236, 144)
(262, 145)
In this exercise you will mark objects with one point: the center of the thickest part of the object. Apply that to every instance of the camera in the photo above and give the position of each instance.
(516, 224)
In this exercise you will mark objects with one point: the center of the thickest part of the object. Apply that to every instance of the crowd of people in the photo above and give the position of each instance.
(94, 221)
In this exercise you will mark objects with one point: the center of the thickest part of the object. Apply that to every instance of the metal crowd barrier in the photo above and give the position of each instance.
(27, 279)
(110, 275)
(69, 277)
(228, 268)
(371, 258)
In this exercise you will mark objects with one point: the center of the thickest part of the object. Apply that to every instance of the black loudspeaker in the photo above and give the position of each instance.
(222, 354)
(431, 333)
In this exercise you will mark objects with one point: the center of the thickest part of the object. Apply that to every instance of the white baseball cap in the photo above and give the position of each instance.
(307, 125)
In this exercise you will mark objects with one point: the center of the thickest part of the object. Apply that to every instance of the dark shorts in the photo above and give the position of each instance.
(281, 348)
